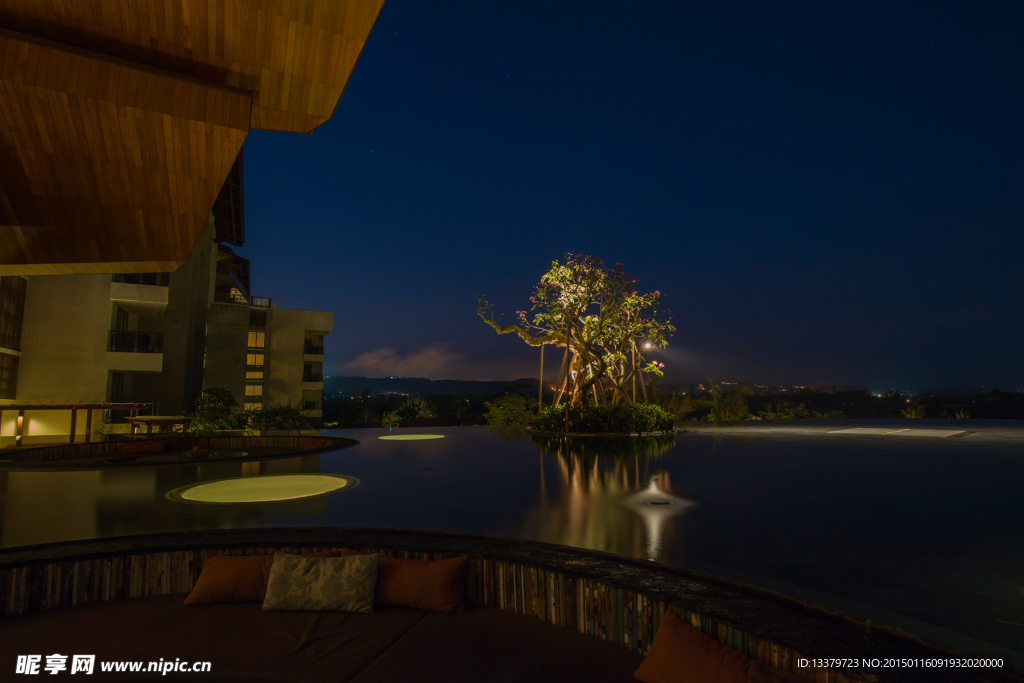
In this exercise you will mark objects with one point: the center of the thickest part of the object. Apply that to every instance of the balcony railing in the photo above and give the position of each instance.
(135, 342)
(230, 296)
(314, 350)
(312, 405)
(312, 377)
(155, 279)
(262, 301)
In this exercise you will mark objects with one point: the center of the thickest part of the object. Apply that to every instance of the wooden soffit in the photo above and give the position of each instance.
(120, 119)
(106, 167)
(296, 55)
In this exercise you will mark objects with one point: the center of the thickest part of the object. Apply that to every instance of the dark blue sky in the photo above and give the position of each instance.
(828, 194)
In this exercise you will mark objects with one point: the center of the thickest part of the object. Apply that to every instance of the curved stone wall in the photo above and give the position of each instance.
(614, 598)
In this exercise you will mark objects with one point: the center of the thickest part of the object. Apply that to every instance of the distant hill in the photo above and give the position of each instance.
(420, 385)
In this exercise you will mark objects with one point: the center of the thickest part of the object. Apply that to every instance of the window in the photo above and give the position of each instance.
(8, 375)
(258, 319)
(254, 359)
(253, 406)
(257, 340)
(253, 389)
(12, 310)
(122, 320)
(116, 386)
(254, 374)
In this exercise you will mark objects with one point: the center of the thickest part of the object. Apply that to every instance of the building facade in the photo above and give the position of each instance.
(157, 338)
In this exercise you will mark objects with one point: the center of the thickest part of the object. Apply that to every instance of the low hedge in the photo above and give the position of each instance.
(640, 417)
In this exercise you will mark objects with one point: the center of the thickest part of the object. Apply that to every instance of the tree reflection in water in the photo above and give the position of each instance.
(611, 495)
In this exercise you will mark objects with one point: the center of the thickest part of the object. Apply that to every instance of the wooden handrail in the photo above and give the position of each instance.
(74, 408)
(69, 406)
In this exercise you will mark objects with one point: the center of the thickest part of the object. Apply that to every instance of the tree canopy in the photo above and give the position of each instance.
(601, 319)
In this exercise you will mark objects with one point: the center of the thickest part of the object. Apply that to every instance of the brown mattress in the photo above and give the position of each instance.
(243, 642)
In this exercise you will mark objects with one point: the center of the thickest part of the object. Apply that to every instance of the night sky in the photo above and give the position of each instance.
(828, 194)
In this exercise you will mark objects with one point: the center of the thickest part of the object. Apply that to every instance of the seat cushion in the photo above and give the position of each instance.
(240, 640)
(682, 654)
(344, 584)
(232, 578)
(486, 644)
(432, 585)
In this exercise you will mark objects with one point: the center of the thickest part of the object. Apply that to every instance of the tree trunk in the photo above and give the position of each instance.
(540, 383)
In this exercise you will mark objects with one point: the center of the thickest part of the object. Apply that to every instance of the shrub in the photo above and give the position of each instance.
(509, 410)
(274, 417)
(390, 418)
(212, 411)
(915, 410)
(414, 408)
(784, 411)
(640, 417)
(728, 406)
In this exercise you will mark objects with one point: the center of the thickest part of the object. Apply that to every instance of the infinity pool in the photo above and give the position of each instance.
(924, 534)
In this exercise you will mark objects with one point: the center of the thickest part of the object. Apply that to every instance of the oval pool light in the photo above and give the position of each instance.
(262, 489)
(411, 437)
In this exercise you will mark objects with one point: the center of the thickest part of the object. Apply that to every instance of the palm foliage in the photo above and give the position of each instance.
(727, 406)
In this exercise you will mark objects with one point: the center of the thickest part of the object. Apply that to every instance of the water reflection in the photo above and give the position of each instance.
(611, 495)
(48, 507)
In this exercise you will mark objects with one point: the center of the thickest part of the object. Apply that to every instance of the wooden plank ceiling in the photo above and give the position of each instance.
(120, 119)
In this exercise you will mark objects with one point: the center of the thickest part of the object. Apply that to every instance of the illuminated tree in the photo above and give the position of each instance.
(603, 322)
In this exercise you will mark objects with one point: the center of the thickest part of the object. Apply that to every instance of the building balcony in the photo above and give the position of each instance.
(135, 351)
(230, 296)
(314, 350)
(312, 405)
(135, 342)
(141, 293)
(312, 377)
(150, 279)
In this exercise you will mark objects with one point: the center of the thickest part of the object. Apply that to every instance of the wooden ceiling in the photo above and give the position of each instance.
(120, 119)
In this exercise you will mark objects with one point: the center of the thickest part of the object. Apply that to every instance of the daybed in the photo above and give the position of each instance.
(245, 643)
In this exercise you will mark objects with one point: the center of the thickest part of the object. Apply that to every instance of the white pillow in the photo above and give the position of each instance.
(340, 584)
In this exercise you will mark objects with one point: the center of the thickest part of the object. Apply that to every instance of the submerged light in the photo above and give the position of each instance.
(262, 488)
(411, 437)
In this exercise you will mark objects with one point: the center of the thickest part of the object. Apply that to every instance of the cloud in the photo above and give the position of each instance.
(436, 361)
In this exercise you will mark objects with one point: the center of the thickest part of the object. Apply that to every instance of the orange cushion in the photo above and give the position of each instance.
(682, 654)
(132, 447)
(431, 585)
(789, 676)
(762, 673)
(232, 578)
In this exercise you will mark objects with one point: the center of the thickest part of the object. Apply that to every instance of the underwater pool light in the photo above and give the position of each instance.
(265, 488)
(411, 437)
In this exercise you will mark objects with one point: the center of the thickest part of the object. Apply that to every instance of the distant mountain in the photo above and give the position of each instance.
(420, 385)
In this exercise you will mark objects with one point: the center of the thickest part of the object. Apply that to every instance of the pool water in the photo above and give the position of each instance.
(925, 534)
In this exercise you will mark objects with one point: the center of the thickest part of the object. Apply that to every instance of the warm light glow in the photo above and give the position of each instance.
(411, 437)
(262, 489)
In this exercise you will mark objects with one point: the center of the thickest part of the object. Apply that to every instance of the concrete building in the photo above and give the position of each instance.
(157, 338)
